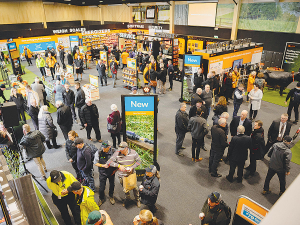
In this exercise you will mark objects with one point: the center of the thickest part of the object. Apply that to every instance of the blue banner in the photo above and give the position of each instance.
(35, 47)
(12, 46)
(135, 103)
(74, 38)
(192, 60)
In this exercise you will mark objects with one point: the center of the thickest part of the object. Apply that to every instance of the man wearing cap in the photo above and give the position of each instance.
(212, 212)
(58, 182)
(105, 172)
(2, 88)
(279, 164)
(99, 218)
(84, 197)
(126, 160)
(84, 162)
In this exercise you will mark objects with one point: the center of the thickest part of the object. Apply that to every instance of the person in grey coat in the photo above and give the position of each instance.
(32, 141)
(58, 90)
(198, 127)
(279, 164)
(39, 89)
(181, 123)
(64, 118)
(47, 128)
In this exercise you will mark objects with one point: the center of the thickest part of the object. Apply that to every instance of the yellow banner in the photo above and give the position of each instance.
(139, 113)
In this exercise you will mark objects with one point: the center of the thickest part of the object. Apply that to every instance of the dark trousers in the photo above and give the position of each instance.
(270, 174)
(103, 77)
(252, 166)
(28, 60)
(214, 159)
(62, 205)
(78, 174)
(114, 137)
(53, 143)
(88, 179)
(171, 81)
(52, 72)
(62, 59)
(240, 165)
(95, 126)
(73, 111)
(236, 108)
(196, 145)
(253, 112)
(78, 112)
(65, 130)
(35, 123)
(43, 71)
(22, 112)
(179, 140)
(103, 178)
(228, 93)
(296, 111)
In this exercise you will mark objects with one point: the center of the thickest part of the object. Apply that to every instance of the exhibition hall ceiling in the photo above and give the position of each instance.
(111, 2)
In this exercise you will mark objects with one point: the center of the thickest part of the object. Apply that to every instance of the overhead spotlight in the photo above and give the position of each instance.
(67, 0)
(83, 3)
(101, 1)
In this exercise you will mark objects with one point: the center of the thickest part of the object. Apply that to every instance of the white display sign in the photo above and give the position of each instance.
(256, 58)
(217, 67)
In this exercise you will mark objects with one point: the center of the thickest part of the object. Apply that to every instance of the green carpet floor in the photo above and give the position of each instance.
(29, 77)
(274, 97)
(296, 153)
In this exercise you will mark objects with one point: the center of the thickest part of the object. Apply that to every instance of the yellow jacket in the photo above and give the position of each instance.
(235, 78)
(29, 54)
(124, 57)
(144, 73)
(76, 56)
(150, 65)
(87, 204)
(51, 61)
(251, 80)
(67, 180)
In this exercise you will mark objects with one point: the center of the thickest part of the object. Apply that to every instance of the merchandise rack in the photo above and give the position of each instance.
(129, 77)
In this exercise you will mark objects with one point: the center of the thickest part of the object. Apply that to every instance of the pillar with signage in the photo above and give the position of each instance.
(103, 57)
(74, 41)
(248, 212)
(130, 74)
(14, 58)
(191, 64)
(139, 116)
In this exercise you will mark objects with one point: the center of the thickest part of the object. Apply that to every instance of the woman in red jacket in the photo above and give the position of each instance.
(114, 125)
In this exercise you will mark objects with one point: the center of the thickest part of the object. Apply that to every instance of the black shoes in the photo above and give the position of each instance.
(205, 149)
(229, 179)
(180, 154)
(216, 175)
(57, 146)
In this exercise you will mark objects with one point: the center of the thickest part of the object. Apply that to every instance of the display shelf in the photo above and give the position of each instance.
(129, 77)
(91, 92)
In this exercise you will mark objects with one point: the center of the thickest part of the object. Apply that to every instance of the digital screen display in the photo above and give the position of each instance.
(237, 63)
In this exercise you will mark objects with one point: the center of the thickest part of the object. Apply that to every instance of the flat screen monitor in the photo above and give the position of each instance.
(238, 63)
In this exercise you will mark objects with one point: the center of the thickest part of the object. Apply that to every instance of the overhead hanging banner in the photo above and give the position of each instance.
(291, 59)
(36, 47)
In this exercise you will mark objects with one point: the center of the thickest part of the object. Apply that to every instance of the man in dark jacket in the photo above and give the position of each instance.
(153, 77)
(277, 130)
(78, 62)
(162, 79)
(32, 141)
(181, 123)
(90, 118)
(294, 95)
(238, 153)
(70, 59)
(193, 110)
(212, 211)
(198, 127)
(238, 99)
(257, 151)
(171, 74)
(79, 101)
(199, 78)
(241, 120)
(85, 163)
(69, 99)
(196, 97)
(279, 164)
(2, 88)
(105, 172)
(218, 145)
(149, 188)
(64, 118)
(101, 71)
(33, 112)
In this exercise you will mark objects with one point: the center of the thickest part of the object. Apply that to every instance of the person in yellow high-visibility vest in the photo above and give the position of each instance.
(27, 53)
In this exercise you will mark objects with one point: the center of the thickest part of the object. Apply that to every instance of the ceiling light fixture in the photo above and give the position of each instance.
(67, 0)
(100, 1)
(115, 4)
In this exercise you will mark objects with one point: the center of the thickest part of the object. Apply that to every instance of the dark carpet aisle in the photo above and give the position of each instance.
(184, 184)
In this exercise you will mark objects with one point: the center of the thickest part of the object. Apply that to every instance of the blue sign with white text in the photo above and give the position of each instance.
(192, 60)
(36, 47)
(135, 103)
(74, 38)
(12, 46)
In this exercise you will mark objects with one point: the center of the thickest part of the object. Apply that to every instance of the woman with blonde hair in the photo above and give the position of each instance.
(19, 100)
(71, 152)
(220, 107)
(47, 127)
(251, 80)
(145, 217)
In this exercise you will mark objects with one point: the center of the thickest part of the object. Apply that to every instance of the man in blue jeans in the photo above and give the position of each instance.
(238, 99)
(85, 163)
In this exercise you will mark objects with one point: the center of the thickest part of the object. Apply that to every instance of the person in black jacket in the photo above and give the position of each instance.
(79, 101)
(2, 88)
(294, 95)
(64, 118)
(199, 78)
(90, 118)
(228, 86)
(150, 187)
(78, 66)
(171, 74)
(257, 151)
(19, 100)
(162, 79)
(218, 145)
(101, 71)
(220, 108)
(33, 112)
(181, 123)
(246, 123)
(196, 97)
(238, 153)
(193, 110)
(71, 153)
(69, 99)
(153, 82)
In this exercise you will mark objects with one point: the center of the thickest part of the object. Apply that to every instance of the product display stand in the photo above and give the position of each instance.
(91, 92)
(129, 77)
